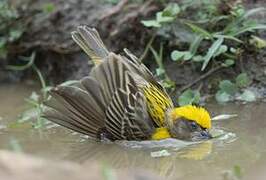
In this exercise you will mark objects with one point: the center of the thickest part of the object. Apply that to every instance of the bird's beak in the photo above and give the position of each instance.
(206, 134)
(201, 135)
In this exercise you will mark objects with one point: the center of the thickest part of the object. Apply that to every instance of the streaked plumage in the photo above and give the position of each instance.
(119, 100)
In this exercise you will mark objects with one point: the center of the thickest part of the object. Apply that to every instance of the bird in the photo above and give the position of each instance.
(120, 99)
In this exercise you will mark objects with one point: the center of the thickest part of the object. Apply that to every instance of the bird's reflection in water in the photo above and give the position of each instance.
(119, 157)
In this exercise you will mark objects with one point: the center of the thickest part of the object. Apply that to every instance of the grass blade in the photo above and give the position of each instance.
(195, 45)
(248, 28)
(199, 30)
(215, 46)
(228, 37)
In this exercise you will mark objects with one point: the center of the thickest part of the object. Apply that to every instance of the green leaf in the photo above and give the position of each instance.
(48, 7)
(177, 55)
(232, 28)
(172, 9)
(199, 30)
(258, 42)
(195, 45)
(14, 34)
(247, 28)
(158, 56)
(221, 50)
(242, 80)
(168, 84)
(228, 87)
(253, 11)
(228, 37)
(163, 19)
(187, 55)
(198, 58)
(112, 1)
(248, 96)
(188, 97)
(151, 23)
(228, 63)
(222, 97)
(212, 50)
(159, 71)
(233, 50)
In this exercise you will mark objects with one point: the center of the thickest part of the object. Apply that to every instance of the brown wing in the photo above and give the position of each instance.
(143, 71)
(126, 114)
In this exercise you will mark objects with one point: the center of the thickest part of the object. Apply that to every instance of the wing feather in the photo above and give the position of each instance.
(69, 110)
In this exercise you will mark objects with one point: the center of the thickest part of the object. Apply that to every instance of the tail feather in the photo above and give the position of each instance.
(66, 121)
(89, 40)
(76, 109)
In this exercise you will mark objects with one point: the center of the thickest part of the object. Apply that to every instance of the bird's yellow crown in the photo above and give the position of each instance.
(194, 113)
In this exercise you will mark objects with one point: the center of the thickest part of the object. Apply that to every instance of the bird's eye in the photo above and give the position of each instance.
(194, 126)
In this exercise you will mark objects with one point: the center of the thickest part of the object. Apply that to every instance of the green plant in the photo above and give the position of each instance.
(229, 90)
(48, 7)
(10, 29)
(223, 41)
(35, 100)
(112, 1)
(189, 97)
(223, 33)
(166, 16)
(257, 42)
(160, 71)
(216, 32)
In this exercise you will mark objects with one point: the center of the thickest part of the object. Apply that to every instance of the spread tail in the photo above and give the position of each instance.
(89, 40)
(79, 107)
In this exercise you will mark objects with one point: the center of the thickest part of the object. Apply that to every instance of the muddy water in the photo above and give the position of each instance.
(244, 147)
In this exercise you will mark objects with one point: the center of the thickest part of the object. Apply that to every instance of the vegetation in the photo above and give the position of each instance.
(235, 90)
(216, 34)
(35, 100)
(10, 28)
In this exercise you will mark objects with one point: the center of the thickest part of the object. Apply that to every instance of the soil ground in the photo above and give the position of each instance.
(60, 59)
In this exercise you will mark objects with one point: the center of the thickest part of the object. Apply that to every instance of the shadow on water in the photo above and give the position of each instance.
(245, 147)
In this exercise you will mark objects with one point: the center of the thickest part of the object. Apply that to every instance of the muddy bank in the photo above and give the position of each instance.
(48, 34)
(59, 59)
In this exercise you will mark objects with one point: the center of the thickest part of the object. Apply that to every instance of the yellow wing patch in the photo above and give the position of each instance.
(157, 103)
(197, 114)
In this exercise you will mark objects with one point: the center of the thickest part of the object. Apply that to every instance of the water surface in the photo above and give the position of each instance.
(207, 160)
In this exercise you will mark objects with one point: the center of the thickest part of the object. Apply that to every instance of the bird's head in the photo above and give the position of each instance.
(189, 123)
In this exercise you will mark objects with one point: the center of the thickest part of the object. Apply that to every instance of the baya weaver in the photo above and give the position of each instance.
(121, 100)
